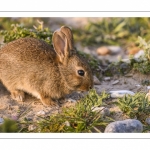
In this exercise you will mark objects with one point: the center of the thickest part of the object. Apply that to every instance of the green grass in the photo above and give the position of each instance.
(9, 126)
(114, 31)
(19, 31)
(137, 106)
(76, 119)
(79, 118)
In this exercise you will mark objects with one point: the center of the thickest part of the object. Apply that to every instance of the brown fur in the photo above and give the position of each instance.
(31, 65)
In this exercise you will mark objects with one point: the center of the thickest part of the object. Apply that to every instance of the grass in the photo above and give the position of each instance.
(19, 31)
(76, 119)
(114, 31)
(137, 106)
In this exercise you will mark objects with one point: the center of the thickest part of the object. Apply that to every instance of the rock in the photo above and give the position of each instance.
(71, 100)
(98, 88)
(147, 121)
(96, 80)
(120, 93)
(126, 60)
(114, 49)
(1, 120)
(107, 78)
(115, 82)
(103, 51)
(31, 127)
(41, 113)
(125, 126)
(15, 116)
(133, 50)
(148, 87)
(67, 123)
(103, 111)
(139, 54)
(138, 85)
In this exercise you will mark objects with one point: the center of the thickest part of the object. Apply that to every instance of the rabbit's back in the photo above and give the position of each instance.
(26, 50)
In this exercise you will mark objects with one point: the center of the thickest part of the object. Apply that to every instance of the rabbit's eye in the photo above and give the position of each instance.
(81, 72)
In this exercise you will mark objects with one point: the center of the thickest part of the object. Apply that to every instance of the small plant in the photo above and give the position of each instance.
(145, 46)
(79, 118)
(143, 63)
(9, 126)
(19, 31)
(114, 31)
(137, 106)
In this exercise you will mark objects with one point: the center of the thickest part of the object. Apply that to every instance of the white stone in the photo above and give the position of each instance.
(31, 127)
(41, 113)
(114, 49)
(126, 60)
(71, 100)
(67, 123)
(115, 82)
(103, 111)
(120, 93)
(138, 85)
(106, 78)
(139, 54)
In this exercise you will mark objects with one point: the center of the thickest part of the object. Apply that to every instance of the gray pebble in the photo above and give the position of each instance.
(147, 121)
(96, 80)
(107, 78)
(125, 126)
(1, 120)
(114, 49)
(103, 111)
(31, 127)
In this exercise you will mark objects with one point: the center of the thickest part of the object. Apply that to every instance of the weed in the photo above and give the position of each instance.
(114, 31)
(19, 31)
(9, 126)
(77, 119)
(137, 106)
(143, 63)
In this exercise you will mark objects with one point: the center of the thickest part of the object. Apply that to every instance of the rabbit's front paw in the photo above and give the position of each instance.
(18, 95)
(48, 102)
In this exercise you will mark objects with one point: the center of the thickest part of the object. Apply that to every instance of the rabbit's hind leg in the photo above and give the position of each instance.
(18, 95)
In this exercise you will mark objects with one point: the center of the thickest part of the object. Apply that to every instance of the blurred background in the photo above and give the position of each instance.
(104, 38)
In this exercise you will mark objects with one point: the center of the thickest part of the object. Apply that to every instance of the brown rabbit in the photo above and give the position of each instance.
(31, 65)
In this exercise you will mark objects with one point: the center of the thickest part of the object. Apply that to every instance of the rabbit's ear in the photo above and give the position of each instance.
(61, 46)
(68, 33)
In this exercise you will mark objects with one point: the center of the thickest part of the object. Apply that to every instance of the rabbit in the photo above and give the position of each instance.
(49, 73)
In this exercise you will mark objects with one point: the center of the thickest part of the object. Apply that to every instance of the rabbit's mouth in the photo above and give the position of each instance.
(84, 89)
